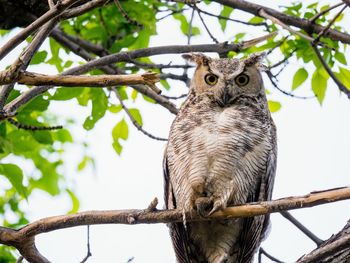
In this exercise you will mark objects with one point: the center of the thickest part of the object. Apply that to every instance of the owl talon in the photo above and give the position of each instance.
(217, 206)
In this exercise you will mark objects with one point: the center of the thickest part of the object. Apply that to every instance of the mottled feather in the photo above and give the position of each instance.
(221, 152)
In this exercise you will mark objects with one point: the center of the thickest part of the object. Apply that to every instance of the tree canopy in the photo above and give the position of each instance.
(101, 54)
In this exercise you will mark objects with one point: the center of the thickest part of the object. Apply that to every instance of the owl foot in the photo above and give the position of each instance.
(203, 205)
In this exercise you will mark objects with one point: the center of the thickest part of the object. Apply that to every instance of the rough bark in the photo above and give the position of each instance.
(334, 250)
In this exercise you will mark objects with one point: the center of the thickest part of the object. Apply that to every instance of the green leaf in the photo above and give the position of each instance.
(120, 131)
(62, 135)
(225, 12)
(274, 105)
(115, 108)
(340, 57)
(99, 106)
(75, 202)
(256, 20)
(165, 84)
(37, 104)
(15, 175)
(299, 77)
(38, 57)
(43, 137)
(134, 94)
(319, 84)
(82, 165)
(67, 93)
(344, 76)
(55, 59)
(22, 141)
(137, 116)
(185, 26)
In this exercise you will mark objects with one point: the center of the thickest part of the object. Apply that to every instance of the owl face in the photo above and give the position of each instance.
(224, 80)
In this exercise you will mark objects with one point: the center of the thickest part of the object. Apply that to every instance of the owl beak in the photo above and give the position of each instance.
(226, 96)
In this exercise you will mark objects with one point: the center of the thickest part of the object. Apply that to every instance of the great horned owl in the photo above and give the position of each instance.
(221, 152)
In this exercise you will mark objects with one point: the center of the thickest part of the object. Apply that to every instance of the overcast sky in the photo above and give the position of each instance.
(313, 155)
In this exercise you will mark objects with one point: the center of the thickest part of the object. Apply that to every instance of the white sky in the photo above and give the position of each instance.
(313, 155)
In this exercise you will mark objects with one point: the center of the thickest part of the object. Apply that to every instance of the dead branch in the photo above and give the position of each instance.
(30, 78)
(23, 239)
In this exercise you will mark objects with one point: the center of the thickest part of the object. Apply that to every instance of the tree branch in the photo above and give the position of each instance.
(301, 23)
(30, 78)
(11, 107)
(334, 250)
(302, 228)
(24, 237)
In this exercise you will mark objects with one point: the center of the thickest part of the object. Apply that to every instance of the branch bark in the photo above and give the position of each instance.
(298, 22)
(334, 250)
(24, 237)
(30, 78)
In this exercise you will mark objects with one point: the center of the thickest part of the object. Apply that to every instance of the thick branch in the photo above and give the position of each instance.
(334, 250)
(301, 23)
(29, 78)
(23, 236)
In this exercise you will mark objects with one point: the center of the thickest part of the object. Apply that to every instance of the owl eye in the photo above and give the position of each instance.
(211, 79)
(242, 79)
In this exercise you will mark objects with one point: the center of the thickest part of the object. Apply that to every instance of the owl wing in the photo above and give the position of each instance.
(177, 230)
(254, 228)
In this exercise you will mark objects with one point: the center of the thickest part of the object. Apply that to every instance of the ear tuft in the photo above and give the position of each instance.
(198, 58)
(255, 59)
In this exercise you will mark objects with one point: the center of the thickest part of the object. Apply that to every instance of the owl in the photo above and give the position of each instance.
(221, 152)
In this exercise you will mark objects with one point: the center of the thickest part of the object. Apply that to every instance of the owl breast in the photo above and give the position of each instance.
(222, 154)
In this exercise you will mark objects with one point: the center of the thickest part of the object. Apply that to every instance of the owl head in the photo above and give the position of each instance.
(225, 80)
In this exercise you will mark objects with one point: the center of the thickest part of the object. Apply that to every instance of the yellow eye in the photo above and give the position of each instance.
(211, 79)
(242, 79)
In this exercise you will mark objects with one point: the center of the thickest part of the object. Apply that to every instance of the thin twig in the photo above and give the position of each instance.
(288, 28)
(175, 97)
(329, 24)
(88, 253)
(132, 119)
(156, 66)
(32, 127)
(126, 16)
(340, 85)
(302, 228)
(231, 19)
(284, 60)
(271, 77)
(315, 17)
(263, 252)
(205, 25)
